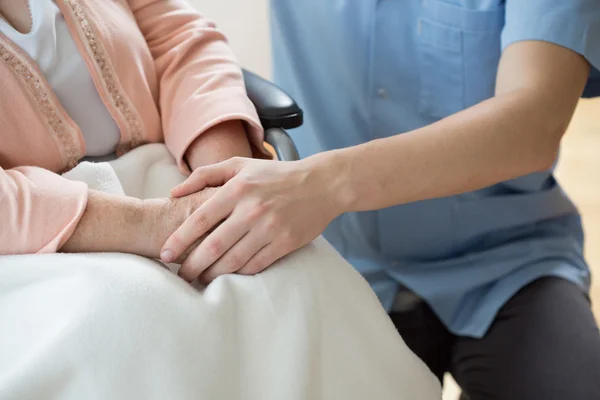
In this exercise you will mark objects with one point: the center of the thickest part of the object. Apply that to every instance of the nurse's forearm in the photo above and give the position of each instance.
(513, 134)
(500, 139)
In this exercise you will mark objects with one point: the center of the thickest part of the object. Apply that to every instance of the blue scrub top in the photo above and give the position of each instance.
(370, 69)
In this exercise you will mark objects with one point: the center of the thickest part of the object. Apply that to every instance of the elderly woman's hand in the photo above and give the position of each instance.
(127, 225)
(266, 209)
(162, 217)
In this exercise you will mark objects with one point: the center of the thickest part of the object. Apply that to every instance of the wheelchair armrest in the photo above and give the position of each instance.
(276, 109)
(282, 143)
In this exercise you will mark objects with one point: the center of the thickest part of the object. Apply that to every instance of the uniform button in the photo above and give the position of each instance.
(382, 93)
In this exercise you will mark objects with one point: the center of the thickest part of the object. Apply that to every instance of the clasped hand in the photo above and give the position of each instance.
(263, 211)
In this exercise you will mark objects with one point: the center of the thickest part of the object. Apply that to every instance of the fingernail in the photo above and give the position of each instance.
(167, 256)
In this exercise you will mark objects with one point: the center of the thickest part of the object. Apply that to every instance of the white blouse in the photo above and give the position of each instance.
(50, 45)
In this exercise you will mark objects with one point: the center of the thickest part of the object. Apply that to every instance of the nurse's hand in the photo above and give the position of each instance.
(264, 211)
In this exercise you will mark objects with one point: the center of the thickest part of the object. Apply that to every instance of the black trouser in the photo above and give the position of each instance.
(543, 345)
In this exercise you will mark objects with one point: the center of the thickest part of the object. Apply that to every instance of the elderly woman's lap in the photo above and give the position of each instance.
(121, 326)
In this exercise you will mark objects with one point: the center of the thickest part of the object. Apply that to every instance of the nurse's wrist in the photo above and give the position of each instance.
(335, 169)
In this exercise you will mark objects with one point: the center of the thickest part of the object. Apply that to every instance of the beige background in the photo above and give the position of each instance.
(246, 24)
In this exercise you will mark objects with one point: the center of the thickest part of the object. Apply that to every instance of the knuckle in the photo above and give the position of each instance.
(275, 222)
(232, 263)
(214, 248)
(257, 211)
(240, 188)
(200, 222)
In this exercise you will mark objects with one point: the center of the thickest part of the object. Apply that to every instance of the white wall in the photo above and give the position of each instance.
(245, 22)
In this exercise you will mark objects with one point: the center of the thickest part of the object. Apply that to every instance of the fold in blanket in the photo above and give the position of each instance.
(117, 326)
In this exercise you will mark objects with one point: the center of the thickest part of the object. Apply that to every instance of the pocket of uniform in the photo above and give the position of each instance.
(441, 63)
(481, 53)
(459, 50)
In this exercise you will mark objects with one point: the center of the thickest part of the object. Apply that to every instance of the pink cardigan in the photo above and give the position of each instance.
(165, 74)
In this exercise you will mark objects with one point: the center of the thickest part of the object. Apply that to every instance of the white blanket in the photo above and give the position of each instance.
(115, 326)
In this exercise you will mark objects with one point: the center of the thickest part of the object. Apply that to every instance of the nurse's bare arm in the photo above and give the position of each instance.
(515, 133)
(128, 225)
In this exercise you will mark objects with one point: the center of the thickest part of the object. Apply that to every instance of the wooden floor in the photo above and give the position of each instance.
(579, 174)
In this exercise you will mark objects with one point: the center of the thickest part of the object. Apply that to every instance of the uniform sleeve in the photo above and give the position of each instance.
(201, 83)
(39, 210)
(574, 24)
